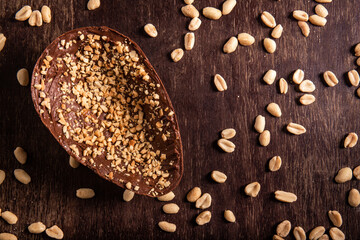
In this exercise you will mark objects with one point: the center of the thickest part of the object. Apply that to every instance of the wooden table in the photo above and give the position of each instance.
(310, 161)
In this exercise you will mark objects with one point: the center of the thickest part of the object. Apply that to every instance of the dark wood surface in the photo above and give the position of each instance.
(310, 161)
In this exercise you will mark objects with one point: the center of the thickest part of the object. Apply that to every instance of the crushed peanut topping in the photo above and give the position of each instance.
(110, 108)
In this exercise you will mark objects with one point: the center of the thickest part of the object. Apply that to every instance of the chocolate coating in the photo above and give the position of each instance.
(173, 164)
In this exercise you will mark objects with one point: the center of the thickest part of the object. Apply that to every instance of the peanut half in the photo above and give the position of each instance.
(307, 86)
(287, 197)
(189, 41)
(167, 197)
(177, 54)
(171, 208)
(330, 78)
(300, 15)
(264, 138)
(167, 227)
(275, 163)
(307, 99)
(194, 194)
(228, 6)
(354, 198)
(304, 27)
(268, 19)
(203, 218)
(350, 140)
(229, 216)
(220, 83)
(269, 76)
(93, 4)
(20, 155)
(231, 45)
(37, 227)
(23, 77)
(354, 78)
(190, 11)
(283, 229)
(336, 234)
(194, 24)
(321, 11)
(73, 163)
(269, 45)
(218, 176)
(128, 195)
(335, 218)
(259, 125)
(317, 20)
(226, 145)
(2, 178)
(2, 41)
(150, 30)
(296, 129)
(356, 173)
(277, 31)
(299, 233)
(212, 13)
(85, 193)
(245, 39)
(7, 236)
(316, 233)
(22, 176)
(274, 109)
(35, 19)
(55, 232)
(9, 217)
(228, 133)
(252, 189)
(24, 13)
(204, 201)
(344, 175)
(46, 14)
(283, 86)
(298, 76)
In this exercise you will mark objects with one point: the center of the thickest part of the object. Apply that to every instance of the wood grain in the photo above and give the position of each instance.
(310, 161)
